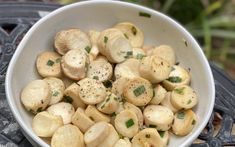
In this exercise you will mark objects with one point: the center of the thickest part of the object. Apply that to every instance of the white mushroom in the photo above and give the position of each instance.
(70, 39)
(158, 116)
(138, 91)
(100, 70)
(183, 97)
(159, 94)
(184, 122)
(132, 33)
(126, 123)
(113, 44)
(48, 64)
(65, 110)
(94, 35)
(67, 136)
(111, 139)
(91, 91)
(96, 134)
(75, 64)
(123, 143)
(127, 69)
(45, 124)
(138, 53)
(137, 111)
(71, 95)
(36, 95)
(96, 115)
(166, 52)
(167, 102)
(154, 69)
(147, 138)
(82, 121)
(178, 76)
(109, 105)
(57, 89)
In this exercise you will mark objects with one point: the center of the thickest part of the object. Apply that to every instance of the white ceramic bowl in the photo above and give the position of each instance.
(159, 29)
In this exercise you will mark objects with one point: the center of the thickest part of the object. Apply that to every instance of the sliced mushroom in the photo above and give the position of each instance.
(48, 64)
(100, 70)
(167, 103)
(65, 110)
(127, 69)
(57, 89)
(154, 69)
(184, 122)
(67, 136)
(123, 143)
(36, 95)
(159, 94)
(82, 121)
(138, 91)
(75, 64)
(132, 33)
(96, 115)
(111, 139)
(166, 52)
(96, 134)
(91, 91)
(183, 97)
(126, 123)
(119, 86)
(45, 124)
(113, 44)
(138, 53)
(158, 116)
(71, 95)
(146, 138)
(94, 51)
(178, 76)
(109, 105)
(137, 111)
(70, 39)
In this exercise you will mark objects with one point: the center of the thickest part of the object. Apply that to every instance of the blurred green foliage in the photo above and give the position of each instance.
(211, 22)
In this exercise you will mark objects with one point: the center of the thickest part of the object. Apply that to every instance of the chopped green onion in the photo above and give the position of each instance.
(193, 122)
(139, 90)
(55, 93)
(152, 126)
(106, 39)
(126, 36)
(180, 115)
(189, 101)
(144, 14)
(68, 99)
(50, 63)
(179, 90)
(134, 30)
(96, 77)
(140, 56)
(39, 109)
(88, 49)
(107, 99)
(108, 84)
(175, 79)
(58, 60)
(147, 135)
(129, 123)
(161, 133)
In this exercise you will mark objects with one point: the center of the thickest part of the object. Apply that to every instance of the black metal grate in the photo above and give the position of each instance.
(17, 18)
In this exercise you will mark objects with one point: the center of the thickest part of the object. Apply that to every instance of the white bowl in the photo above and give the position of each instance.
(159, 29)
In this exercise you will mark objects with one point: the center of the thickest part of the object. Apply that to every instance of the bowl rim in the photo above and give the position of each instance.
(8, 79)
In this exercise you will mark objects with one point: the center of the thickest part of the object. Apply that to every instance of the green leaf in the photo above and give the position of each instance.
(88, 49)
(174, 79)
(129, 123)
(50, 62)
(144, 14)
(161, 133)
(180, 115)
(106, 39)
(139, 90)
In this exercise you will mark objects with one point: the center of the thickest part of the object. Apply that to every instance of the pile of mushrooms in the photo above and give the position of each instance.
(108, 89)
